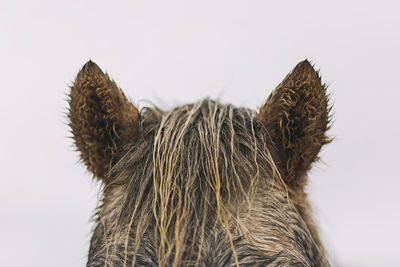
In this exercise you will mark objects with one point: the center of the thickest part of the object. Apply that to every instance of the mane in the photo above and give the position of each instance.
(188, 175)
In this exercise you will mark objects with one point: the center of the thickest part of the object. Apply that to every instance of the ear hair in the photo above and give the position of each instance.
(297, 116)
(101, 118)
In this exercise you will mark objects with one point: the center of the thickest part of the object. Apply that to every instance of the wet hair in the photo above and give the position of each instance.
(204, 184)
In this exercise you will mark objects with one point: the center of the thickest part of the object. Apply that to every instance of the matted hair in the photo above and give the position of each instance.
(204, 184)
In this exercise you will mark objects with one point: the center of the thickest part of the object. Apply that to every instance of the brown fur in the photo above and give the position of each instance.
(101, 118)
(204, 184)
(297, 116)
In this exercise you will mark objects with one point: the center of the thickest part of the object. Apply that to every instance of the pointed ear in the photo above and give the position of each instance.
(296, 115)
(101, 118)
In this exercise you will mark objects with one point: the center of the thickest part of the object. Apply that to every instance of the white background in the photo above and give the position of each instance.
(174, 52)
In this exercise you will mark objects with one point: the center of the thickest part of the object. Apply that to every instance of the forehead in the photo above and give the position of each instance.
(194, 138)
(266, 232)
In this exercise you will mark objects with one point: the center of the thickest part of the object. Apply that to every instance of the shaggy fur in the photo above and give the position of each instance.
(297, 116)
(101, 118)
(204, 184)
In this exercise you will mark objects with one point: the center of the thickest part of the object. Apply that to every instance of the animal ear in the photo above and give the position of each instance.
(101, 118)
(296, 115)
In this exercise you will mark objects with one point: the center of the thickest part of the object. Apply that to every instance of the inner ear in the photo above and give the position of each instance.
(296, 114)
(101, 118)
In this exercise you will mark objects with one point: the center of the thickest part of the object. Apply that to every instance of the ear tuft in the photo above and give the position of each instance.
(296, 115)
(101, 118)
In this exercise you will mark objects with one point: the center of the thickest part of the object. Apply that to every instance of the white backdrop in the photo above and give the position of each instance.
(172, 52)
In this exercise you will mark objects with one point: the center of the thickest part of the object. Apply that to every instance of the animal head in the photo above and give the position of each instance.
(204, 184)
